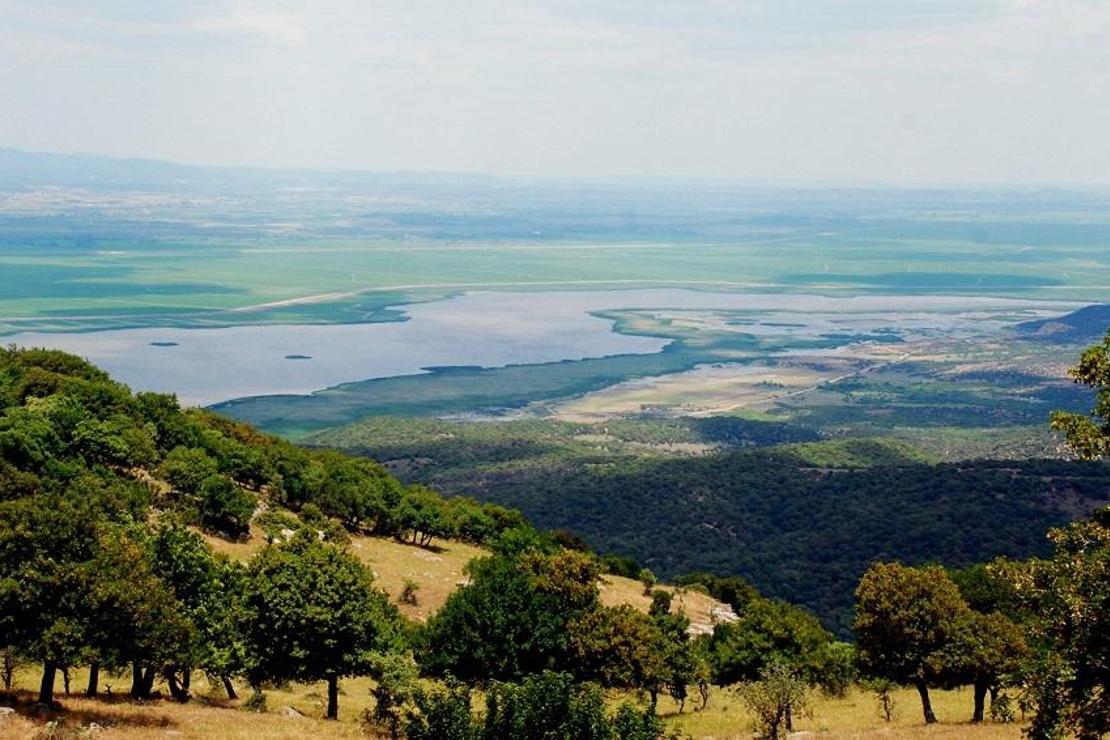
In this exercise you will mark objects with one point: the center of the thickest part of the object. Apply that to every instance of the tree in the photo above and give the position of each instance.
(906, 621)
(422, 512)
(125, 590)
(9, 661)
(1070, 595)
(770, 631)
(358, 492)
(1089, 435)
(311, 613)
(408, 591)
(660, 603)
(680, 660)
(512, 619)
(647, 580)
(883, 690)
(46, 542)
(209, 589)
(185, 468)
(733, 590)
(986, 648)
(618, 647)
(224, 506)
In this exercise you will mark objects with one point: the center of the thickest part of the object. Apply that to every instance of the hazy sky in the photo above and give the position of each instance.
(850, 90)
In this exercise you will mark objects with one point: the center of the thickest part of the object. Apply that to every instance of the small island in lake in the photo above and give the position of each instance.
(298, 357)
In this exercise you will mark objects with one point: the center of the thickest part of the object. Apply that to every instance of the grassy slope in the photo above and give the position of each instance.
(440, 571)
(211, 716)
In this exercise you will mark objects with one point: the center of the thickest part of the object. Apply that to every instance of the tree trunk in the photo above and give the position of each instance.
(186, 679)
(65, 679)
(229, 688)
(654, 700)
(46, 688)
(94, 680)
(8, 669)
(142, 680)
(980, 700)
(136, 681)
(926, 705)
(178, 693)
(333, 697)
(788, 717)
(148, 681)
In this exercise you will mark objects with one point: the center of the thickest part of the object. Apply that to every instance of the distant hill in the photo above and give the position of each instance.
(20, 168)
(1088, 324)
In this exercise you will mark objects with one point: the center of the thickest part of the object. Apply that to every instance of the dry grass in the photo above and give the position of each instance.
(697, 606)
(211, 716)
(437, 571)
(854, 716)
(440, 570)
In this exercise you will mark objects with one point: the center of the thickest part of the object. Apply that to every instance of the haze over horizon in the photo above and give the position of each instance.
(984, 91)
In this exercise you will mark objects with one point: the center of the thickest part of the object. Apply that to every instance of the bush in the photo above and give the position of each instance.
(408, 591)
(395, 688)
(631, 723)
(774, 700)
(883, 689)
(442, 714)
(546, 705)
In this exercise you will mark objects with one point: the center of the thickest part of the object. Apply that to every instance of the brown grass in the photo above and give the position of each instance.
(855, 716)
(209, 715)
(440, 570)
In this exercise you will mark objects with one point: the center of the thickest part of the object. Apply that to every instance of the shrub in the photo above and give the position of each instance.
(408, 591)
(774, 700)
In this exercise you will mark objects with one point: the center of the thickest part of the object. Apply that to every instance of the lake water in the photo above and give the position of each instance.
(488, 329)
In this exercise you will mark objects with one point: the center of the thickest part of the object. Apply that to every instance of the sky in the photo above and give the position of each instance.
(896, 91)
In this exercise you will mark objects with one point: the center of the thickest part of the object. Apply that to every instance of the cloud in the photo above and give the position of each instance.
(908, 91)
(285, 28)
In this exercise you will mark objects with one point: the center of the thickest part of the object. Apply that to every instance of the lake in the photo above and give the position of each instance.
(487, 329)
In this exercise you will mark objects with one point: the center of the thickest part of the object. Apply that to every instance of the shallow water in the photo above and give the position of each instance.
(488, 329)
